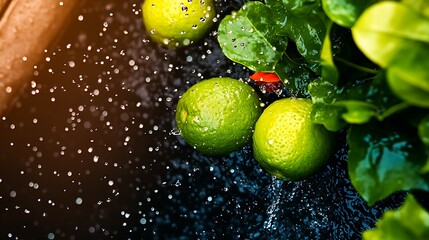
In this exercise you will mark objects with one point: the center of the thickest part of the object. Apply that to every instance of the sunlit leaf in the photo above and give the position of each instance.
(408, 78)
(396, 36)
(388, 30)
(420, 6)
(409, 222)
(384, 159)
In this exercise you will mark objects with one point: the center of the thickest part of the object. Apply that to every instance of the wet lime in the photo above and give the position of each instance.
(218, 115)
(177, 23)
(287, 144)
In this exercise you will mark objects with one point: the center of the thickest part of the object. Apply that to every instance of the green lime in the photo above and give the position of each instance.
(287, 144)
(218, 115)
(177, 23)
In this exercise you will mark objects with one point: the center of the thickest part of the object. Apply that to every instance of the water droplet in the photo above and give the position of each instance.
(184, 8)
(186, 42)
(79, 201)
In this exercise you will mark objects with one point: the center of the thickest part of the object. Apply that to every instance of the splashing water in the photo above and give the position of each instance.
(276, 192)
(91, 150)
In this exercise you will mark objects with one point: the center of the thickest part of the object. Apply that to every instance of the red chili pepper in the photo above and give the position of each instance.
(265, 77)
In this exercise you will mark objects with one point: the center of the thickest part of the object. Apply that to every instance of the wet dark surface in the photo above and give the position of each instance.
(91, 150)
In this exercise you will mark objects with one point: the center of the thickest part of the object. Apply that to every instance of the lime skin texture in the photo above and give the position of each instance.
(217, 116)
(177, 23)
(287, 144)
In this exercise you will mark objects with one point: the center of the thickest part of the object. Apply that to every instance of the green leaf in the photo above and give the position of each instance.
(409, 222)
(370, 99)
(300, 7)
(408, 78)
(308, 33)
(328, 115)
(396, 36)
(345, 12)
(423, 129)
(384, 159)
(420, 6)
(304, 22)
(248, 37)
(295, 76)
(390, 30)
(329, 70)
(358, 112)
(355, 104)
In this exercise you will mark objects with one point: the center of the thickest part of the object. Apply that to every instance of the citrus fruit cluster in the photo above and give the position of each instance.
(177, 23)
(221, 115)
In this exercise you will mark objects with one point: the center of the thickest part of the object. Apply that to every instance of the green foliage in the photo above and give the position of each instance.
(396, 37)
(345, 12)
(365, 65)
(410, 222)
(258, 36)
(384, 159)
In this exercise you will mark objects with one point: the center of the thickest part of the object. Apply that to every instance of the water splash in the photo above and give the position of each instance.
(275, 190)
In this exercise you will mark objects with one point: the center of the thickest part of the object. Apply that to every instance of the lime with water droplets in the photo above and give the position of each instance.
(177, 23)
(287, 144)
(218, 115)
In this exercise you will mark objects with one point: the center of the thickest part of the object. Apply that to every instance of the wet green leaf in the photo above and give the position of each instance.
(257, 36)
(384, 159)
(308, 33)
(300, 7)
(345, 12)
(295, 76)
(248, 37)
(358, 104)
(409, 222)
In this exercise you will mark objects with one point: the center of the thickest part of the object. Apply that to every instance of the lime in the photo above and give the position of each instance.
(287, 144)
(218, 115)
(177, 23)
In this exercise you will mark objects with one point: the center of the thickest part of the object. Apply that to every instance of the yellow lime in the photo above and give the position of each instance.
(177, 23)
(287, 144)
(218, 115)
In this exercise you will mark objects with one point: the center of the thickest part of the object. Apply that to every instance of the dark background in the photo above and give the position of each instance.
(91, 150)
